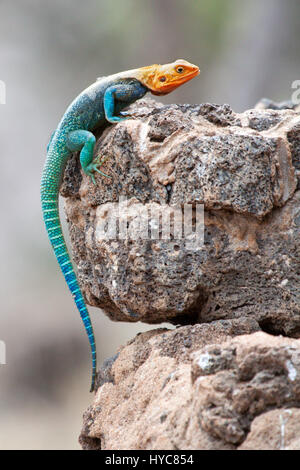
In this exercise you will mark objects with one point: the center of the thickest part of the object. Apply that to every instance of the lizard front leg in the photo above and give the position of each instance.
(84, 141)
(123, 93)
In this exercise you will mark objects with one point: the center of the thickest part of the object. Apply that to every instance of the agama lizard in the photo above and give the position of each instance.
(101, 102)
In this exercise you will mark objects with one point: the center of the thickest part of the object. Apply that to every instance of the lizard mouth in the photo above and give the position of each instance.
(180, 80)
(168, 86)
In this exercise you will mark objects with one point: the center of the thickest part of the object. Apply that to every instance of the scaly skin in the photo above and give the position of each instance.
(100, 103)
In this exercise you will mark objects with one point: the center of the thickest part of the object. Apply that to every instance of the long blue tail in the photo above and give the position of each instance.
(54, 230)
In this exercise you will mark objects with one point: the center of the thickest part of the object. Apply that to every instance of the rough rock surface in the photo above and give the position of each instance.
(199, 387)
(228, 379)
(242, 167)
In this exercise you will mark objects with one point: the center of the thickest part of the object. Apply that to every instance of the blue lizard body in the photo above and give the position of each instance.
(87, 112)
(98, 104)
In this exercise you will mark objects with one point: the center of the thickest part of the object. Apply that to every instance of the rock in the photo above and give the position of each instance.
(199, 387)
(266, 103)
(242, 167)
(228, 379)
(274, 430)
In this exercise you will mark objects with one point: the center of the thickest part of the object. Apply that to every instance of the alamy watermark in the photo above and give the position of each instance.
(132, 220)
(2, 92)
(296, 94)
(2, 353)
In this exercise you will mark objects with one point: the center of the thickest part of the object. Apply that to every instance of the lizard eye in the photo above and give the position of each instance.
(179, 69)
(162, 79)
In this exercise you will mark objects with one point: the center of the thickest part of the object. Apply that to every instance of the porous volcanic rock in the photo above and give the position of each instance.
(243, 168)
(199, 387)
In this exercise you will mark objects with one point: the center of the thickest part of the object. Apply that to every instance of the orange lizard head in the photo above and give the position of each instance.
(162, 79)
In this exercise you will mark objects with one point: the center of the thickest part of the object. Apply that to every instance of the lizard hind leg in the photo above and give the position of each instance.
(84, 141)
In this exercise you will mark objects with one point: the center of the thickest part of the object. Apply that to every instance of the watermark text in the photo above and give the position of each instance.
(296, 94)
(2, 353)
(132, 220)
(2, 92)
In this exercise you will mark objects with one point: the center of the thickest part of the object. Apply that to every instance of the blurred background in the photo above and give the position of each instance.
(49, 52)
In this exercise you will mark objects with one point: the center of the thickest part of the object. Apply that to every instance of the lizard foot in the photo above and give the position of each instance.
(94, 166)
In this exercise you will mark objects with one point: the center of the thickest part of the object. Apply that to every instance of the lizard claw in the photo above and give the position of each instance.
(94, 166)
(90, 172)
(101, 173)
(126, 114)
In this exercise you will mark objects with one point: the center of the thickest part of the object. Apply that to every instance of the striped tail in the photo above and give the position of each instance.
(54, 230)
